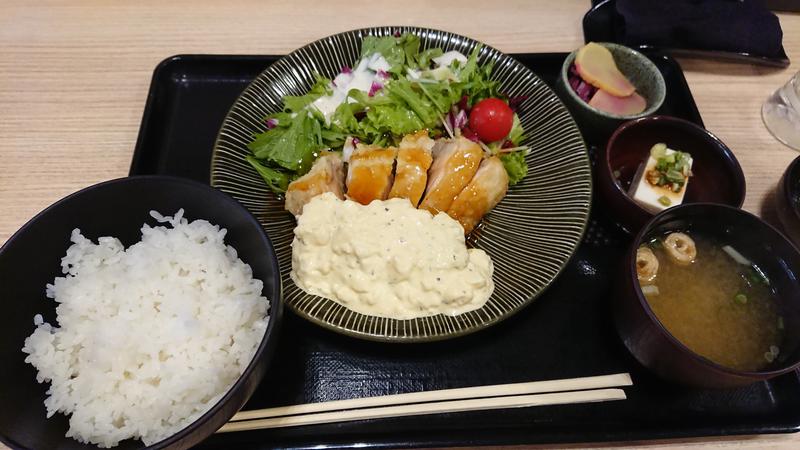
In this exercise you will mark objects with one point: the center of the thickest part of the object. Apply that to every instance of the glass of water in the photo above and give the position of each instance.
(781, 113)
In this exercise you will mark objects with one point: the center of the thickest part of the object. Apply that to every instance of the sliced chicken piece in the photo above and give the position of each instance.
(369, 176)
(487, 188)
(455, 162)
(413, 161)
(326, 175)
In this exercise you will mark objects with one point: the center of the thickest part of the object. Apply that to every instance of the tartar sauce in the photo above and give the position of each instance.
(388, 259)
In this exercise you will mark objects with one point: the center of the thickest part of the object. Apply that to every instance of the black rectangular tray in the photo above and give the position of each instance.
(567, 332)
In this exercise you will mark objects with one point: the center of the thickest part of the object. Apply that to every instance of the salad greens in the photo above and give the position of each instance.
(514, 162)
(409, 92)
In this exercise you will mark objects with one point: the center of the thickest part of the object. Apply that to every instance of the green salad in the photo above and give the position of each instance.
(394, 89)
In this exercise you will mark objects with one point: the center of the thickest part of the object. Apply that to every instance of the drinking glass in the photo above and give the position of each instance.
(781, 113)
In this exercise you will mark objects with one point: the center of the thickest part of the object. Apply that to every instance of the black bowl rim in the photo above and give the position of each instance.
(631, 273)
(790, 186)
(645, 61)
(729, 159)
(276, 302)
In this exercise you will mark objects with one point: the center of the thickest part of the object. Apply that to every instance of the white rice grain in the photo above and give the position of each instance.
(148, 338)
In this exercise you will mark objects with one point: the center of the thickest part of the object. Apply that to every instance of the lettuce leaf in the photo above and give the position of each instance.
(385, 45)
(469, 68)
(296, 103)
(476, 81)
(294, 147)
(424, 58)
(276, 180)
(365, 101)
(283, 119)
(410, 44)
(344, 117)
(404, 94)
(391, 119)
(516, 134)
(443, 95)
(515, 165)
(333, 138)
(397, 51)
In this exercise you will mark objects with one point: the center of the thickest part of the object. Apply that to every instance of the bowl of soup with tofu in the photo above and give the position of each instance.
(709, 296)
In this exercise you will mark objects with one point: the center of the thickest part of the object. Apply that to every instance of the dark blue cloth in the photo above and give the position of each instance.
(728, 25)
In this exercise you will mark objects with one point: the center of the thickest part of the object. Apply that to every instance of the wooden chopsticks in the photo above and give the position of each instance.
(516, 395)
(517, 401)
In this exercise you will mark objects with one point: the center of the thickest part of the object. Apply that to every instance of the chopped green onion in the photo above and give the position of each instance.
(616, 173)
(755, 275)
(664, 200)
(671, 170)
(674, 176)
(774, 350)
(769, 357)
(740, 298)
(780, 322)
(760, 275)
(658, 150)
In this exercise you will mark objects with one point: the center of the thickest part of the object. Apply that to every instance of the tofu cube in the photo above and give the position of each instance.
(647, 195)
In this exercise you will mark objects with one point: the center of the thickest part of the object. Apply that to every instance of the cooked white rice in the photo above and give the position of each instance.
(150, 337)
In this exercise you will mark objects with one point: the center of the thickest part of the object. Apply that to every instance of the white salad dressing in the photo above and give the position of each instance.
(388, 259)
(368, 71)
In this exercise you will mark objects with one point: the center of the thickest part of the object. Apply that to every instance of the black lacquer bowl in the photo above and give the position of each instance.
(787, 198)
(31, 258)
(718, 177)
(661, 352)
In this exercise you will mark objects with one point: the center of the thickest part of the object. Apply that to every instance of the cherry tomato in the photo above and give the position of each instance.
(492, 119)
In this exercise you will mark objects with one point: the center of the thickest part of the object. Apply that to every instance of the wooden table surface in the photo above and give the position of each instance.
(74, 78)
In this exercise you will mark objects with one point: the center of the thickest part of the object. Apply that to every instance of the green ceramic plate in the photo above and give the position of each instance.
(530, 235)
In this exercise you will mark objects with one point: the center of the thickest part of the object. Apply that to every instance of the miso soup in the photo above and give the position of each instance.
(712, 299)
